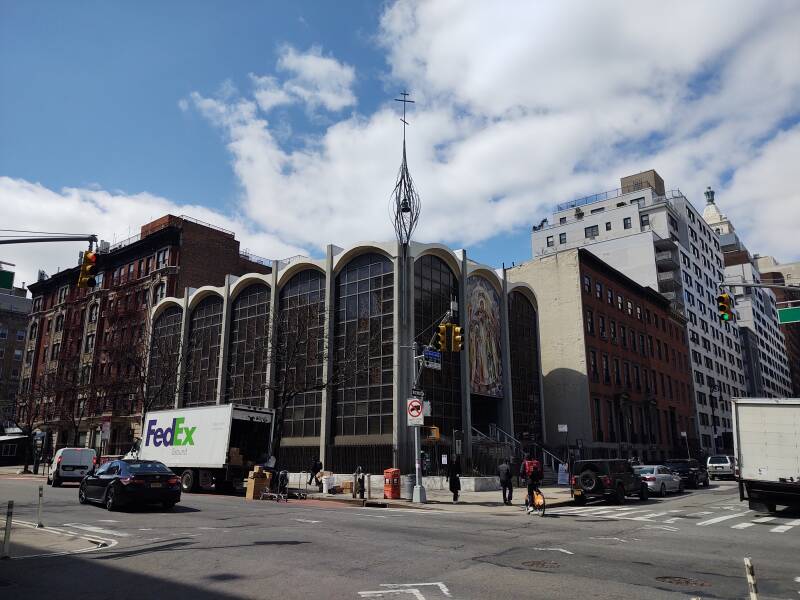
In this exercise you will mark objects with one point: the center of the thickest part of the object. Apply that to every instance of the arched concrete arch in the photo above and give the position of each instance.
(489, 275)
(443, 253)
(296, 268)
(203, 293)
(246, 281)
(344, 258)
(163, 305)
(527, 291)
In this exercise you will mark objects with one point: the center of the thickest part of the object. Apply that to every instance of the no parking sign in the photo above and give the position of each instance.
(414, 412)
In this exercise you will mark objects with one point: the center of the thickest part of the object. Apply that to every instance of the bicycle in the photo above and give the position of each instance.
(539, 502)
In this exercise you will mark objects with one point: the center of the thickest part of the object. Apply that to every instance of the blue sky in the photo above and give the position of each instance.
(277, 120)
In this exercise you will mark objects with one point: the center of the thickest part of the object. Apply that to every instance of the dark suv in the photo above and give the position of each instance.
(614, 479)
(693, 473)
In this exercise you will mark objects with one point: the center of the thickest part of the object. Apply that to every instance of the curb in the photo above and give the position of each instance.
(408, 504)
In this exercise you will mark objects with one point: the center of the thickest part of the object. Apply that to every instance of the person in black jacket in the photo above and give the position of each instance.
(504, 471)
(453, 476)
(316, 467)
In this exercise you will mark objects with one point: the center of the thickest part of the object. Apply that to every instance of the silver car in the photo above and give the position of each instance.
(659, 479)
(721, 466)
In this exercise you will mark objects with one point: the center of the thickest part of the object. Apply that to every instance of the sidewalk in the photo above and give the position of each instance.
(13, 472)
(29, 542)
(489, 502)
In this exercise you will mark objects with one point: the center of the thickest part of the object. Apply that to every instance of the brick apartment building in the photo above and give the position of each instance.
(615, 360)
(14, 309)
(85, 351)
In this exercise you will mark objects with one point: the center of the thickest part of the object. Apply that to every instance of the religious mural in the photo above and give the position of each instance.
(483, 318)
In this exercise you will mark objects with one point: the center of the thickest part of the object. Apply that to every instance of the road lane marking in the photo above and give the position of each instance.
(723, 518)
(673, 520)
(742, 525)
(307, 521)
(94, 529)
(700, 514)
(781, 529)
(107, 521)
(664, 527)
(764, 520)
(553, 550)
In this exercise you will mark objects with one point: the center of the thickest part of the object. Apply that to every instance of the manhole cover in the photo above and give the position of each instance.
(541, 564)
(685, 581)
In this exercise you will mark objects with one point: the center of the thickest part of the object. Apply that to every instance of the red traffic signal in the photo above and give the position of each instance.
(88, 275)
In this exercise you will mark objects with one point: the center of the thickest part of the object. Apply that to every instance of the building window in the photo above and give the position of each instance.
(606, 372)
(202, 354)
(608, 225)
(56, 351)
(159, 292)
(626, 223)
(562, 220)
(602, 326)
(164, 357)
(610, 296)
(93, 313)
(17, 354)
(248, 346)
(644, 220)
(62, 294)
(587, 284)
(524, 356)
(591, 232)
(29, 357)
(550, 242)
(589, 322)
(562, 238)
(89, 345)
(619, 302)
(162, 257)
(363, 344)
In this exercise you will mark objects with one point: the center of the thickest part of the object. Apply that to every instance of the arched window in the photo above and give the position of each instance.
(525, 370)
(248, 350)
(435, 285)
(159, 292)
(363, 346)
(202, 352)
(164, 356)
(300, 352)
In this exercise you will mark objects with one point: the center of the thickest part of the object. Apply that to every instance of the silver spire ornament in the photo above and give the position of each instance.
(404, 204)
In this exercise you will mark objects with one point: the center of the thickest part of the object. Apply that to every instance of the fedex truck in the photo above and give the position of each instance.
(208, 447)
(767, 447)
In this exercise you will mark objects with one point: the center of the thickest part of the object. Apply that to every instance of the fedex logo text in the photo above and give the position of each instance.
(176, 435)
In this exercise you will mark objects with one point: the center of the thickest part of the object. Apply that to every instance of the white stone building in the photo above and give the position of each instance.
(658, 239)
(763, 344)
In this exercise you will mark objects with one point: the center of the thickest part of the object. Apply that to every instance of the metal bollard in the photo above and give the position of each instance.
(7, 535)
(39, 509)
(367, 482)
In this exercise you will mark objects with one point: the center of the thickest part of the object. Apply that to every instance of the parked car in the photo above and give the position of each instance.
(722, 466)
(610, 479)
(692, 472)
(660, 479)
(124, 482)
(71, 464)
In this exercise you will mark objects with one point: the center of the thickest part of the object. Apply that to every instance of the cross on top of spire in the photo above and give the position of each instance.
(405, 101)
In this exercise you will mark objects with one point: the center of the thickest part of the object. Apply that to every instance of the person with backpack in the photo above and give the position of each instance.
(531, 469)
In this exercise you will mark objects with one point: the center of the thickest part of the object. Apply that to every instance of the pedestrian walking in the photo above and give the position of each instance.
(454, 477)
(506, 483)
(316, 467)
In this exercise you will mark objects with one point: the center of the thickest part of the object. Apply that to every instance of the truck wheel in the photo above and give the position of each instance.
(188, 481)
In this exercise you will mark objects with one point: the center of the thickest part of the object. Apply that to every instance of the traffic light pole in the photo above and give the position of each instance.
(92, 239)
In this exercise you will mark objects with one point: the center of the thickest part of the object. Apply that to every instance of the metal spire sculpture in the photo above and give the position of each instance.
(404, 205)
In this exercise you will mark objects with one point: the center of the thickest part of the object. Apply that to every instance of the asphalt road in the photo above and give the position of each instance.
(212, 546)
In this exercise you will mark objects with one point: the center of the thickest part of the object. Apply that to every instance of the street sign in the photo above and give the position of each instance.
(562, 428)
(417, 392)
(683, 434)
(414, 412)
(789, 315)
(432, 359)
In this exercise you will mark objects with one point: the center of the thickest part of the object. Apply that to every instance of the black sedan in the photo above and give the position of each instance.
(693, 473)
(124, 482)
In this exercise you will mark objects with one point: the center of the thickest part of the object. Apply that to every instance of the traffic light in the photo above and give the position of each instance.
(725, 307)
(457, 341)
(441, 338)
(87, 277)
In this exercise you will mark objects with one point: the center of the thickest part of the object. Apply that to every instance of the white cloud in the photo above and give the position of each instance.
(112, 216)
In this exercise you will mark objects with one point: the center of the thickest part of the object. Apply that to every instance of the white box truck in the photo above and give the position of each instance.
(208, 447)
(767, 446)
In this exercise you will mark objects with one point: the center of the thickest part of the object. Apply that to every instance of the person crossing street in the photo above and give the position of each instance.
(531, 469)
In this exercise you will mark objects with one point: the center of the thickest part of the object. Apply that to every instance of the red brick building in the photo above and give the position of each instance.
(85, 352)
(640, 385)
(615, 361)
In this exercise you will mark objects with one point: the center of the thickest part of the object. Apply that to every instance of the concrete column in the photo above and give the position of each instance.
(506, 412)
(326, 412)
(466, 398)
(270, 342)
(224, 335)
(180, 375)
(541, 377)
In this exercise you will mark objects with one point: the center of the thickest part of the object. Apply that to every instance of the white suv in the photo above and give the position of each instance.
(71, 464)
(722, 466)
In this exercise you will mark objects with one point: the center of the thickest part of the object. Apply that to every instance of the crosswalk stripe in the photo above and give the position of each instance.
(794, 523)
(742, 525)
(700, 514)
(94, 529)
(781, 529)
(720, 519)
(764, 520)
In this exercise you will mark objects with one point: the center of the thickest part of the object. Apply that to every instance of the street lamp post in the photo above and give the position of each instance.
(405, 207)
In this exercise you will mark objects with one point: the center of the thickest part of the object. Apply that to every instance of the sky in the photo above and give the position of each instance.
(277, 120)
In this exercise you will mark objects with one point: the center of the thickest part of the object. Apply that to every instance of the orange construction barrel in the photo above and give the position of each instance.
(391, 484)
